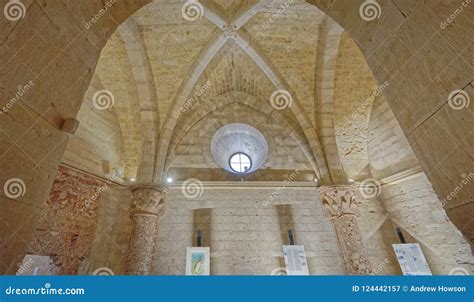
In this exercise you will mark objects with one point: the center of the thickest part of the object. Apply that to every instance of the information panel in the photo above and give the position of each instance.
(295, 260)
(411, 259)
(197, 261)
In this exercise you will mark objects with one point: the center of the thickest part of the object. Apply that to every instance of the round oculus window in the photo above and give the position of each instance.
(240, 163)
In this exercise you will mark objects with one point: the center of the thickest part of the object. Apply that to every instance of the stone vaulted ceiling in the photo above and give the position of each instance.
(175, 81)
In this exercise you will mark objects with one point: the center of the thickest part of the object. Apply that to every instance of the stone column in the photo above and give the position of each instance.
(147, 206)
(341, 208)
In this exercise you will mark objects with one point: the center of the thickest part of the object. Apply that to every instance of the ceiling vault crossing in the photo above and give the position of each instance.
(234, 31)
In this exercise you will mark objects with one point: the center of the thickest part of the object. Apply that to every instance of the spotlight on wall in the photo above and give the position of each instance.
(169, 180)
(133, 179)
(351, 181)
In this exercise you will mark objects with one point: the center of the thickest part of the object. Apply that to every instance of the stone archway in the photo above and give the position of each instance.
(408, 45)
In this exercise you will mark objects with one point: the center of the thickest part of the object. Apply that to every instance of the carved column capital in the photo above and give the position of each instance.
(339, 200)
(148, 199)
(341, 207)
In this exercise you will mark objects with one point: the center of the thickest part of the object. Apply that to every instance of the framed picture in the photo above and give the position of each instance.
(198, 261)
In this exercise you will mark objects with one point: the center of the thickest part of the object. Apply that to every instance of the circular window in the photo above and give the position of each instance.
(240, 163)
(239, 148)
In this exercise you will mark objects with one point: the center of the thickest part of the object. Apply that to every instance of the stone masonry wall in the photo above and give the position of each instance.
(245, 232)
(414, 206)
(112, 234)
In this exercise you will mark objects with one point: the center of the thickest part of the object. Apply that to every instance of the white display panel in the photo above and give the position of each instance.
(295, 260)
(411, 259)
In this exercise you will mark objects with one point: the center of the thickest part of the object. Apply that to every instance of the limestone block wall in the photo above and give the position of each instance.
(378, 235)
(59, 56)
(112, 234)
(286, 150)
(411, 201)
(414, 206)
(97, 146)
(313, 230)
(246, 238)
(175, 234)
(388, 148)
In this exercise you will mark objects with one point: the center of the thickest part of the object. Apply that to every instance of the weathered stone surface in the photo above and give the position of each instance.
(65, 55)
(147, 205)
(67, 225)
(341, 206)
